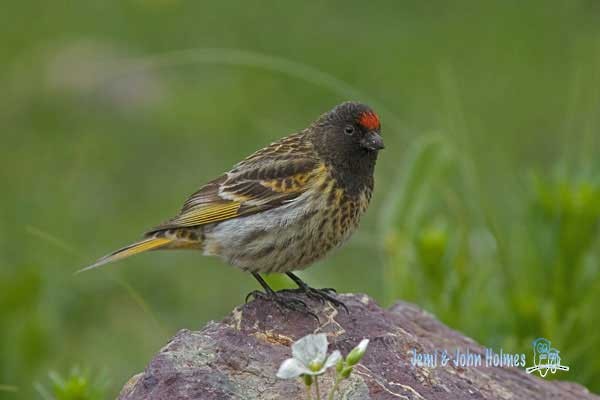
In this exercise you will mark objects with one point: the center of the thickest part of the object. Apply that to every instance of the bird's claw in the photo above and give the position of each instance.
(283, 302)
(329, 290)
(326, 294)
(321, 295)
(256, 294)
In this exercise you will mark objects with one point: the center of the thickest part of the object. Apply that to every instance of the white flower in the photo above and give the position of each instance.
(309, 358)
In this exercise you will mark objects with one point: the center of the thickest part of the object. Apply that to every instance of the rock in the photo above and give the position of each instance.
(237, 358)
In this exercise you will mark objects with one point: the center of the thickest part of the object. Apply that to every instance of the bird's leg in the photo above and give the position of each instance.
(280, 301)
(320, 294)
(257, 293)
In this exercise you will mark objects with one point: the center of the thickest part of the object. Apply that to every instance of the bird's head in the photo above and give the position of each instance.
(350, 130)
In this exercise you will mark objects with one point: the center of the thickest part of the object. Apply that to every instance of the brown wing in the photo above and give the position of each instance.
(267, 179)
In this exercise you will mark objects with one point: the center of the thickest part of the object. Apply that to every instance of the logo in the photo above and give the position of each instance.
(545, 358)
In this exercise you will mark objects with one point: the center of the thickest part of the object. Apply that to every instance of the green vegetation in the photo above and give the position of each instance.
(78, 385)
(487, 200)
(506, 280)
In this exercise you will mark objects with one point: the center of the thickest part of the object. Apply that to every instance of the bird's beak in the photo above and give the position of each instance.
(373, 142)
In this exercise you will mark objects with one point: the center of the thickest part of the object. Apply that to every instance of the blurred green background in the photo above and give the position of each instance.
(487, 197)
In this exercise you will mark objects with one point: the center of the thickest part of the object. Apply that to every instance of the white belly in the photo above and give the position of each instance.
(276, 240)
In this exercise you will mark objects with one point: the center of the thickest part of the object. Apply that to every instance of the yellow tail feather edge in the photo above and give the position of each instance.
(128, 251)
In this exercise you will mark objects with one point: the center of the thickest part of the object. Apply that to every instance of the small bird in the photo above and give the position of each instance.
(283, 207)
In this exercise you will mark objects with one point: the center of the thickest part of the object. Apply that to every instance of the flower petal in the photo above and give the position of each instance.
(292, 368)
(310, 348)
(333, 359)
(319, 372)
(362, 346)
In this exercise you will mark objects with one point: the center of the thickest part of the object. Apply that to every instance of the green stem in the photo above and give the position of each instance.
(334, 388)
(317, 387)
(308, 395)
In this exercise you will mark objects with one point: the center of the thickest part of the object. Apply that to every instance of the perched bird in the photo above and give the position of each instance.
(283, 207)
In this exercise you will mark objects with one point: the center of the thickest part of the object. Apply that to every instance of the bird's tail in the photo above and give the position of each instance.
(151, 243)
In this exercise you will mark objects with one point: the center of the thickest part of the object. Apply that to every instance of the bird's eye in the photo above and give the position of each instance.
(349, 130)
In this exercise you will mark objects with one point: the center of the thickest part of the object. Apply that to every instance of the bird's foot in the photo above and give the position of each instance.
(323, 295)
(283, 302)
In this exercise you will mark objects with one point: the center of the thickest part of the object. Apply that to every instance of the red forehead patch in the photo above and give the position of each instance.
(369, 120)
